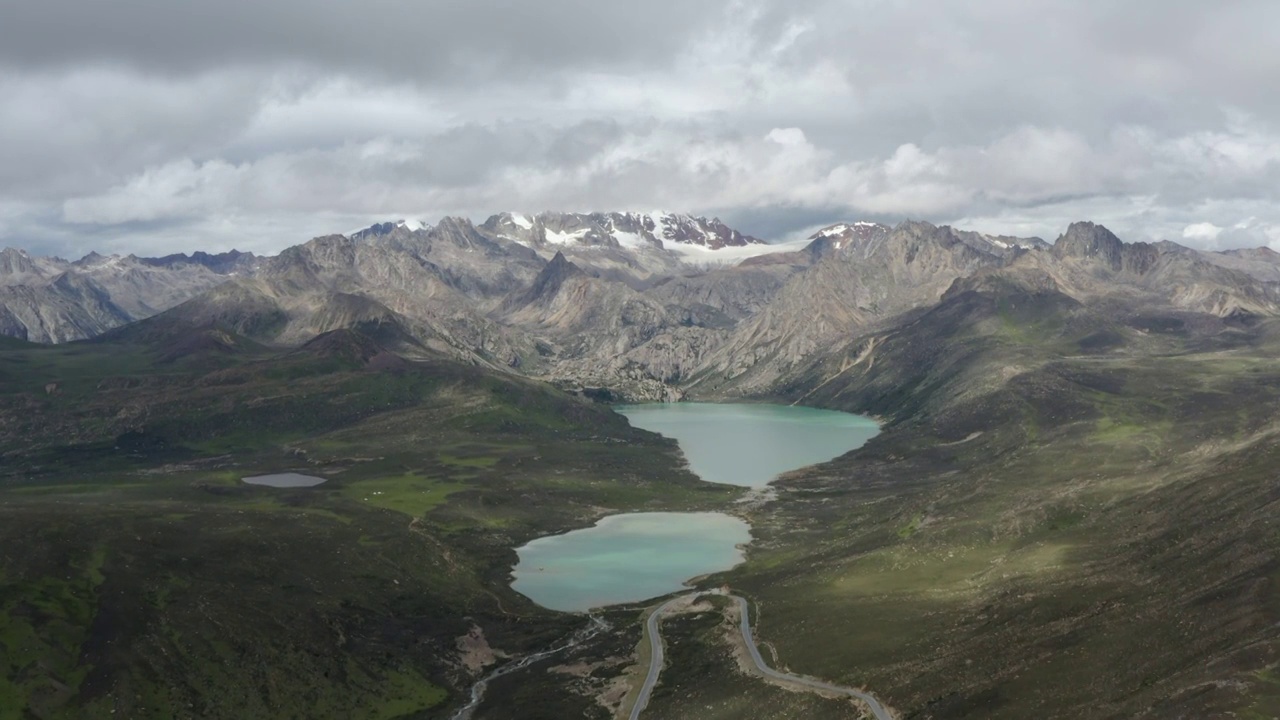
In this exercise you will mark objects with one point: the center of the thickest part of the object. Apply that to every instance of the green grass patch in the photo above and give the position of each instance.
(470, 462)
(43, 624)
(409, 494)
(1265, 692)
(74, 488)
(1064, 520)
(911, 528)
(408, 694)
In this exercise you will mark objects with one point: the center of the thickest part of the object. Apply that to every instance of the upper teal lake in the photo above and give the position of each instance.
(751, 444)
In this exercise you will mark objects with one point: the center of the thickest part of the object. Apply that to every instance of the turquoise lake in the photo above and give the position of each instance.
(626, 558)
(634, 557)
(751, 444)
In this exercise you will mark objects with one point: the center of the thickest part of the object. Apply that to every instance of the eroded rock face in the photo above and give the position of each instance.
(1091, 264)
(53, 300)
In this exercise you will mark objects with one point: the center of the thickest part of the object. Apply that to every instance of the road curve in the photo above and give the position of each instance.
(869, 700)
(655, 655)
(656, 659)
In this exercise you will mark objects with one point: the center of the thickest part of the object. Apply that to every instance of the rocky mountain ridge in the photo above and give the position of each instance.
(601, 300)
(46, 299)
(55, 300)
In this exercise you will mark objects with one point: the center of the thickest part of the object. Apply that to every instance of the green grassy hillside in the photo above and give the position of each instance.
(140, 578)
(1048, 528)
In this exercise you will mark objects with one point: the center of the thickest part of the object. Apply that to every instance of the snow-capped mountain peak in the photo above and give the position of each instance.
(387, 228)
(629, 230)
(844, 228)
(845, 234)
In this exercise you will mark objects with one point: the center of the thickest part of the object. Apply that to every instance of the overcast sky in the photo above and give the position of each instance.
(154, 126)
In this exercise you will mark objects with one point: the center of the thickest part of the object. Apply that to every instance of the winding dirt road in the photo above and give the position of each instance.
(656, 659)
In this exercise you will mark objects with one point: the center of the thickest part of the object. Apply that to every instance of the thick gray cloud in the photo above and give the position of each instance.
(442, 40)
(151, 127)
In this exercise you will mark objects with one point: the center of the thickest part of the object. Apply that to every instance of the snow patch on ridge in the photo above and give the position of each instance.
(630, 241)
(1009, 243)
(658, 220)
(699, 254)
(842, 228)
(564, 238)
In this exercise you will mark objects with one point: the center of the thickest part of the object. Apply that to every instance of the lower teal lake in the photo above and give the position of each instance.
(751, 444)
(626, 558)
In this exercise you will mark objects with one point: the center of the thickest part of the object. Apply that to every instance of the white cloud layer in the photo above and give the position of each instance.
(286, 119)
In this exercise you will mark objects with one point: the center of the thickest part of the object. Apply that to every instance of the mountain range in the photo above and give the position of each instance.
(647, 305)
